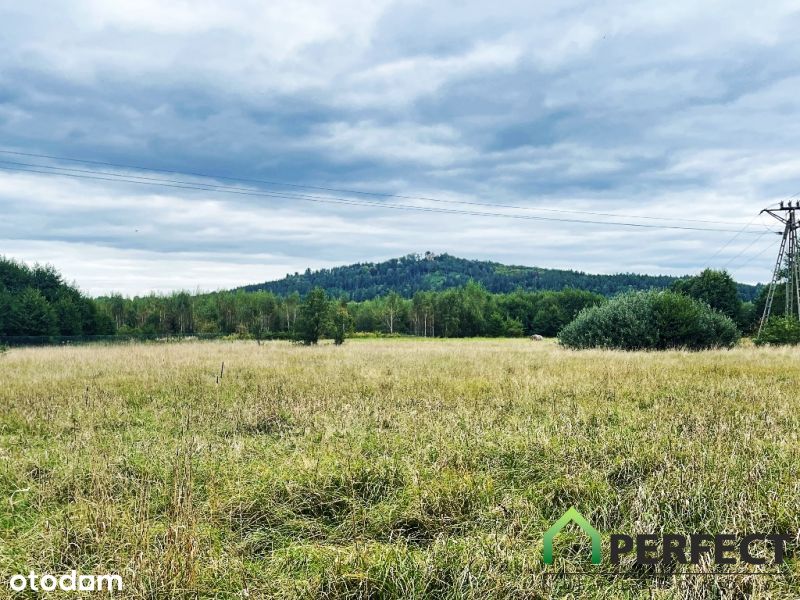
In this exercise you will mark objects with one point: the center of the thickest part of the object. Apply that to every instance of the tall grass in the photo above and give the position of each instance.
(388, 468)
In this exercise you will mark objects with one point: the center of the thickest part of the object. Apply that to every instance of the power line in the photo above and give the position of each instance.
(359, 192)
(745, 249)
(752, 258)
(102, 176)
(730, 241)
(211, 186)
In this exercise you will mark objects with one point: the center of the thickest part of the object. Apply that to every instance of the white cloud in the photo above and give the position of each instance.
(673, 110)
(433, 146)
(100, 270)
(402, 81)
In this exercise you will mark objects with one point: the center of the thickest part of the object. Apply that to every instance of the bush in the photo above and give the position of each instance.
(779, 330)
(650, 321)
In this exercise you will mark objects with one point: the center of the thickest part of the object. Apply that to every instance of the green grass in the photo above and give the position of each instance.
(388, 468)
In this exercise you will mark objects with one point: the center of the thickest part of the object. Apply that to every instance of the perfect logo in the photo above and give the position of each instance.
(675, 548)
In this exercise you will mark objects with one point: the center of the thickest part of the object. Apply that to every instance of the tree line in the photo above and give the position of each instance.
(466, 311)
(36, 301)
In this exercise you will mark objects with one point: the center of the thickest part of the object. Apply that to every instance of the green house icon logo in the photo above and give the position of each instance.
(572, 516)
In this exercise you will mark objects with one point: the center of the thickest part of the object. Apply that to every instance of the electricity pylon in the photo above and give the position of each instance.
(786, 265)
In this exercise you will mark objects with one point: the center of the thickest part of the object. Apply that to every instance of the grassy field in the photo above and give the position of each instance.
(388, 468)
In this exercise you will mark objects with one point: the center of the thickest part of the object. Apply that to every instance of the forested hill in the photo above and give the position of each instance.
(413, 273)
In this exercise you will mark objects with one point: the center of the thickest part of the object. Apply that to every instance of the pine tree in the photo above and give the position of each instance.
(31, 314)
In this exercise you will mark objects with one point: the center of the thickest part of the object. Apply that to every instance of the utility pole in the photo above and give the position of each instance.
(786, 265)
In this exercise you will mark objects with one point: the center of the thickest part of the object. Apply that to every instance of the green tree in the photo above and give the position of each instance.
(391, 309)
(31, 314)
(181, 312)
(5, 310)
(550, 316)
(748, 317)
(473, 301)
(103, 324)
(68, 316)
(116, 306)
(48, 281)
(513, 328)
(368, 316)
(778, 307)
(447, 313)
(342, 322)
(422, 313)
(72, 313)
(290, 305)
(315, 316)
(715, 288)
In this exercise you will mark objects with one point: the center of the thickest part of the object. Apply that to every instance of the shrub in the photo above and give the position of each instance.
(650, 320)
(780, 330)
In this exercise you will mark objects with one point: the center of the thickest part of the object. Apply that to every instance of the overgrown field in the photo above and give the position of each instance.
(389, 468)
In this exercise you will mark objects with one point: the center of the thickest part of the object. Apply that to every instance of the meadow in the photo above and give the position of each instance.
(389, 468)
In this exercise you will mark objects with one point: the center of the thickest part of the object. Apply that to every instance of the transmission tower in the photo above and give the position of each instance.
(787, 266)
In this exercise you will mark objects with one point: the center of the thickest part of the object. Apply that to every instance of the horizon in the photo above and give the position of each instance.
(212, 145)
(300, 273)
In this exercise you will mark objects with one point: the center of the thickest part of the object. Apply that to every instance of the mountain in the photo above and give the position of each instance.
(414, 273)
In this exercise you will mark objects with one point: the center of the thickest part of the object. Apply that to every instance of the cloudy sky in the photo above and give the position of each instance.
(678, 110)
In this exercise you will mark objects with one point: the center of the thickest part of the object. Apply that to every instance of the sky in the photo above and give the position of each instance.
(678, 110)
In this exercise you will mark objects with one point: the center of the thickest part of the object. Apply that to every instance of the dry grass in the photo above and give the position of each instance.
(401, 468)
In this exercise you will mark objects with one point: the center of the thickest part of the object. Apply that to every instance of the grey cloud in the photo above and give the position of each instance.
(671, 110)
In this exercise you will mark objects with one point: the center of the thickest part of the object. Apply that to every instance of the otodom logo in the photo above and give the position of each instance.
(68, 582)
(675, 549)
